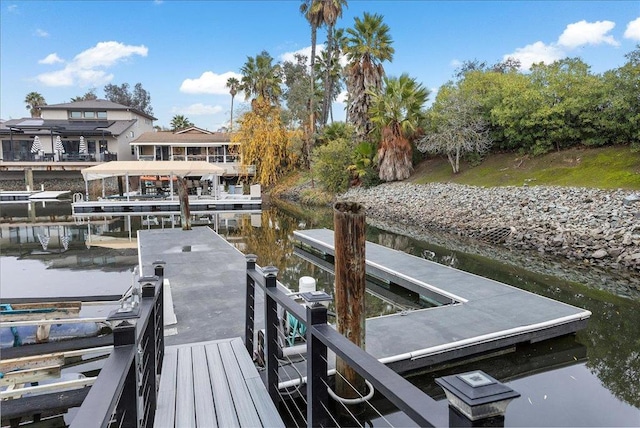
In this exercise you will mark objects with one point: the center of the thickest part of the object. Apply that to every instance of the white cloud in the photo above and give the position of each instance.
(290, 56)
(342, 97)
(106, 54)
(534, 53)
(87, 68)
(209, 83)
(197, 109)
(12, 8)
(633, 30)
(41, 33)
(51, 59)
(455, 63)
(587, 33)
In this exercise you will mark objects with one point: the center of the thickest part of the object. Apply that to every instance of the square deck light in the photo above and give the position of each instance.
(477, 395)
(315, 297)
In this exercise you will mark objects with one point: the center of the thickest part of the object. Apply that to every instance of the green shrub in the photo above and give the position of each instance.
(331, 163)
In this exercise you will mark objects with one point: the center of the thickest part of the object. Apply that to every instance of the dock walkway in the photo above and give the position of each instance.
(476, 314)
(213, 384)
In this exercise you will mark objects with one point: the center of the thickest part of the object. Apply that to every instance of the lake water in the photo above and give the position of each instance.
(592, 379)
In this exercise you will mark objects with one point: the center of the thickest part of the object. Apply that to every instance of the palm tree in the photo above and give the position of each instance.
(312, 11)
(233, 84)
(261, 79)
(34, 100)
(330, 65)
(331, 11)
(179, 122)
(397, 112)
(367, 46)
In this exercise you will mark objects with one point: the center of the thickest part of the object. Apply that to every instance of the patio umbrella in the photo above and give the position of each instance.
(58, 147)
(83, 146)
(37, 145)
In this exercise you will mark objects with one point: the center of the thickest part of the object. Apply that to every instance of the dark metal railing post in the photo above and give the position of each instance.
(250, 309)
(271, 332)
(158, 270)
(149, 383)
(124, 334)
(317, 396)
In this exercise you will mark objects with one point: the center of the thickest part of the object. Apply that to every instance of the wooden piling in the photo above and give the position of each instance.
(183, 197)
(349, 230)
(28, 179)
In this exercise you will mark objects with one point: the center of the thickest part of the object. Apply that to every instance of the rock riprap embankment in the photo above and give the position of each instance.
(589, 226)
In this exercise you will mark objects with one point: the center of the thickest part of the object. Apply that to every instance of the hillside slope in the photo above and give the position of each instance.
(604, 168)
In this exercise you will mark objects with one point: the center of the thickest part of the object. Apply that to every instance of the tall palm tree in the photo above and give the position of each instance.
(331, 66)
(179, 122)
(33, 100)
(261, 79)
(331, 11)
(397, 111)
(367, 46)
(233, 84)
(312, 11)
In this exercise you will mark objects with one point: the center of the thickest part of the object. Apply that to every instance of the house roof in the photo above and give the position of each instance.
(139, 168)
(36, 125)
(167, 137)
(95, 105)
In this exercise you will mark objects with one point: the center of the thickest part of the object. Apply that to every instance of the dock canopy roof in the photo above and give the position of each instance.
(139, 168)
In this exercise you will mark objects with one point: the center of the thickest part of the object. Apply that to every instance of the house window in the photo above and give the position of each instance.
(131, 134)
(91, 146)
(89, 114)
(75, 115)
(102, 114)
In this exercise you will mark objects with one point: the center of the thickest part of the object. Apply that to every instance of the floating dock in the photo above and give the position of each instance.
(29, 196)
(474, 314)
(166, 206)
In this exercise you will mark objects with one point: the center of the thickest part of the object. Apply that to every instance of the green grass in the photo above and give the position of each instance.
(605, 168)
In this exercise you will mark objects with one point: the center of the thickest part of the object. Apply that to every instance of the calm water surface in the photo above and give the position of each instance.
(592, 379)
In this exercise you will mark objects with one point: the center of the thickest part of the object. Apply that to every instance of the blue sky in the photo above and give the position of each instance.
(183, 51)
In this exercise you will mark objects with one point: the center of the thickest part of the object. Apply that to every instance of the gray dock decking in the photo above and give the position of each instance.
(213, 384)
(477, 315)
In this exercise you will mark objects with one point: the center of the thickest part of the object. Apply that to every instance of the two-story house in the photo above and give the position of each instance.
(192, 144)
(105, 129)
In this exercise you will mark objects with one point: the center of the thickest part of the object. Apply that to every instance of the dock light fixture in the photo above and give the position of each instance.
(316, 298)
(477, 395)
(123, 322)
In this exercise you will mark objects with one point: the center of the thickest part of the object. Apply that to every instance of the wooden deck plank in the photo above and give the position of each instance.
(246, 364)
(245, 409)
(267, 411)
(185, 405)
(204, 401)
(222, 396)
(166, 406)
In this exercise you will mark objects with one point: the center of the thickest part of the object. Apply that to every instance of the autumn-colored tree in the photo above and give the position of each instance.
(265, 142)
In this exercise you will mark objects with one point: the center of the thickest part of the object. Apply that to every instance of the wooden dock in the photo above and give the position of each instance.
(164, 206)
(475, 315)
(213, 384)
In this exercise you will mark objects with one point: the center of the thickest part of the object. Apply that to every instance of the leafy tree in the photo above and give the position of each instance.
(179, 122)
(261, 79)
(331, 164)
(140, 99)
(621, 112)
(456, 127)
(367, 46)
(265, 143)
(397, 112)
(296, 91)
(88, 96)
(33, 100)
(233, 84)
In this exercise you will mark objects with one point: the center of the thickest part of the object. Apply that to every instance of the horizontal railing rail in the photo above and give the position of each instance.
(320, 336)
